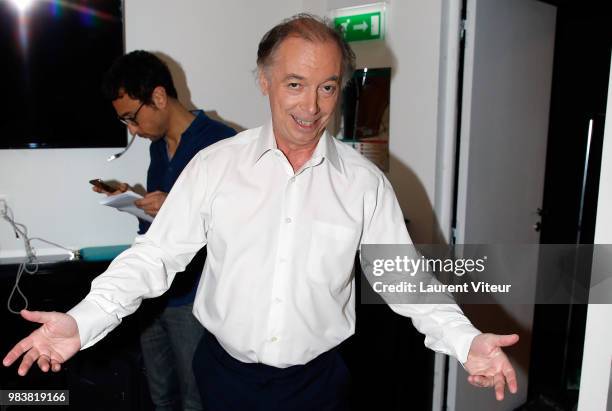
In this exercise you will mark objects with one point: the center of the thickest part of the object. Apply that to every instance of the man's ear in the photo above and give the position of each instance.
(264, 83)
(159, 97)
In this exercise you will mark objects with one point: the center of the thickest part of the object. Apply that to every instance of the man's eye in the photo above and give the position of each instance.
(329, 89)
(293, 85)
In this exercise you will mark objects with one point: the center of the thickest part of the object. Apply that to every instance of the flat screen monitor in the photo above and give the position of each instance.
(54, 56)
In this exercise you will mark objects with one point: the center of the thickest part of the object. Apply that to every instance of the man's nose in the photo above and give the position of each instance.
(310, 102)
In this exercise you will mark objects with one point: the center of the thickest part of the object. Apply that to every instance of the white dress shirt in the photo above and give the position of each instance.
(278, 285)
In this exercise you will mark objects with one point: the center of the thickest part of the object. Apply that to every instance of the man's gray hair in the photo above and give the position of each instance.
(307, 27)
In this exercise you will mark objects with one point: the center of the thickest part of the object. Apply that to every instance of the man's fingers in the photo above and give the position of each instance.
(152, 197)
(152, 202)
(473, 379)
(44, 363)
(498, 381)
(510, 376)
(507, 340)
(55, 366)
(27, 361)
(37, 316)
(19, 348)
(143, 202)
(51, 361)
(480, 381)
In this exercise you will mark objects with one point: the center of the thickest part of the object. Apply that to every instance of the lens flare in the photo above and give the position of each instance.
(22, 5)
(88, 13)
(88, 16)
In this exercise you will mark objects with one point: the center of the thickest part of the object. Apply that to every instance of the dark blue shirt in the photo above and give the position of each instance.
(161, 176)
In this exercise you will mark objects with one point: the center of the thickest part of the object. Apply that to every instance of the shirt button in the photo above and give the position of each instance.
(292, 180)
(274, 339)
(287, 220)
(278, 300)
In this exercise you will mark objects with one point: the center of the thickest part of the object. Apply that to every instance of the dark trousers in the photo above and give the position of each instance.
(227, 384)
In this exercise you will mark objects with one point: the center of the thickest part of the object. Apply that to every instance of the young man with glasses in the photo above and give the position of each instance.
(141, 89)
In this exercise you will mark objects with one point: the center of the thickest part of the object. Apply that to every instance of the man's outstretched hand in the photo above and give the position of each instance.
(53, 343)
(488, 366)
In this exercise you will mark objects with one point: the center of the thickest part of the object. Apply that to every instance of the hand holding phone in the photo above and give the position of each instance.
(102, 186)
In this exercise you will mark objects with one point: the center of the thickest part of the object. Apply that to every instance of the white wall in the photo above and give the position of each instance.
(412, 50)
(597, 359)
(215, 42)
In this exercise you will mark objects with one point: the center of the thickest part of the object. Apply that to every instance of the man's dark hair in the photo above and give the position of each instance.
(307, 27)
(137, 74)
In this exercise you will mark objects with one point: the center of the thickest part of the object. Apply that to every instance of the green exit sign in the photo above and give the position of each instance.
(357, 27)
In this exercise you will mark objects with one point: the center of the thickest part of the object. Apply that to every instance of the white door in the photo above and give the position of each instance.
(504, 128)
(596, 374)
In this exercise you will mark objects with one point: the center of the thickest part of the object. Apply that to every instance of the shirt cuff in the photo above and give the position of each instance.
(460, 338)
(93, 322)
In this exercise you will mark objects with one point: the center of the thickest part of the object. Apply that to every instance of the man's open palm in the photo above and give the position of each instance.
(488, 366)
(52, 344)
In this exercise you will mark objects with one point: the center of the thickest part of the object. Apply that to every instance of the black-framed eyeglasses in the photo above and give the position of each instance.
(131, 120)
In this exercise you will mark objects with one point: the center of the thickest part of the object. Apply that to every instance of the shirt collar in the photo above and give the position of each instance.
(326, 148)
(200, 121)
(188, 135)
(265, 141)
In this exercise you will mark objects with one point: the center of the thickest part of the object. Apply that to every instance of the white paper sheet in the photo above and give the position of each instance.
(125, 202)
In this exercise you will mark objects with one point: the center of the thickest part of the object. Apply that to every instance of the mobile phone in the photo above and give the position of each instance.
(102, 185)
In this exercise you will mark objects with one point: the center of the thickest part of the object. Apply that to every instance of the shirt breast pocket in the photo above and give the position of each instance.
(332, 254)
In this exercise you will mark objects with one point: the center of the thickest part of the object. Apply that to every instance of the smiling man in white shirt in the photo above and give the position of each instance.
(283, 209)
